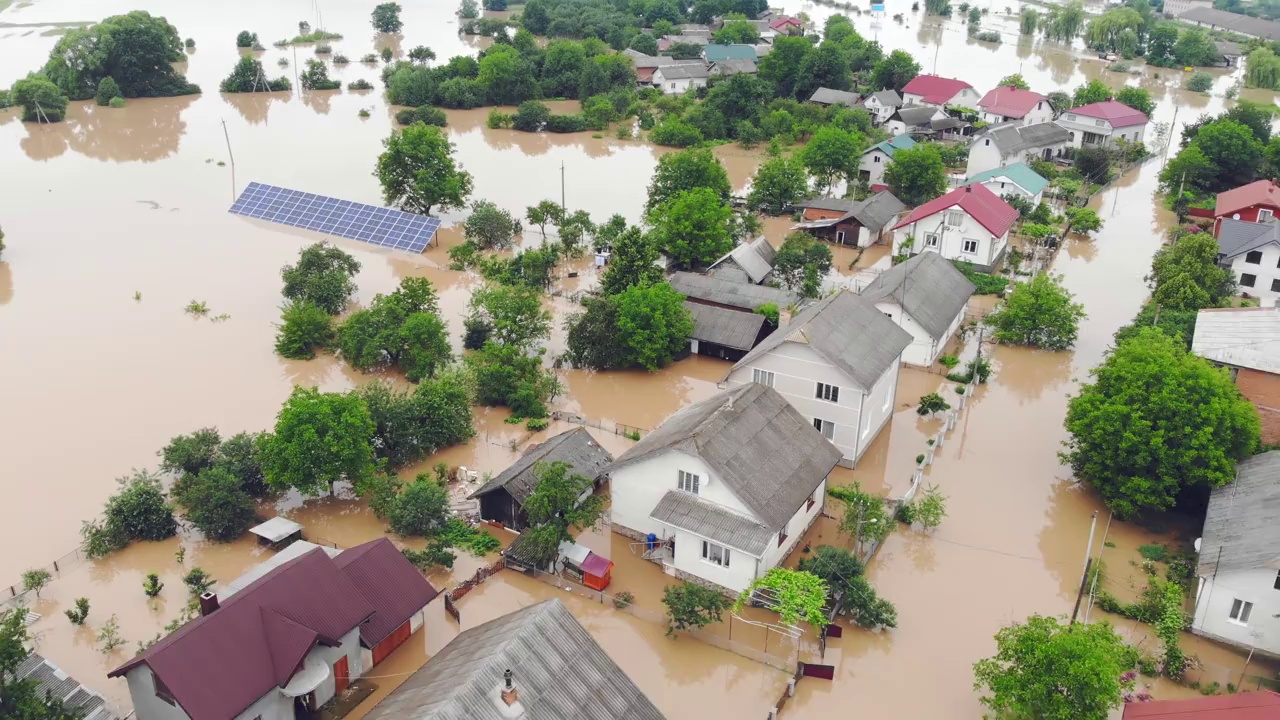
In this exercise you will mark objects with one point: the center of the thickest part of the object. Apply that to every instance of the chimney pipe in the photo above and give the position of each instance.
(509, 694)
(208, 603)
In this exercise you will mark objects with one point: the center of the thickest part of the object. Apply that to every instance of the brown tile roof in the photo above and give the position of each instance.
(391, 584)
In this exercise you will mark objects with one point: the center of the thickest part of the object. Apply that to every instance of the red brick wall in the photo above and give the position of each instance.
(1263, 390)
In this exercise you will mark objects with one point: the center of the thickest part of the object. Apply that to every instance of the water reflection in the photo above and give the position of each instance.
(1028, 373)
(390, 40)
(253, 107)
(6, 283)
(146, 131)
(319, 100)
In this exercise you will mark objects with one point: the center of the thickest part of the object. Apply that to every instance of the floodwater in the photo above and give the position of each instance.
(116, 202)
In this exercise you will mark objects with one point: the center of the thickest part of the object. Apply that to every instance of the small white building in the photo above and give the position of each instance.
(1010, 143)
(876, 158)
(680, 79)
(1238, 597)
(882, 105)
(1102, 123)
(939, 91)
(1011, 104)
(837, 364)
(914, 119)
(1018, 180)
(927, 297)
(1252, 251)
(726, 488)
(969, 223)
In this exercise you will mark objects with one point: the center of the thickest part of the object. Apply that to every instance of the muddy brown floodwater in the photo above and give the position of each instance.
(92, 382)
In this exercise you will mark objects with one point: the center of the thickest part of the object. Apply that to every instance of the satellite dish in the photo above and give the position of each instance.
(1197, 544)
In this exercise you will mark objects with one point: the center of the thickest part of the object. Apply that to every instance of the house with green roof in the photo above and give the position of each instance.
(875, 159)
(720, 53)
(1016, 179)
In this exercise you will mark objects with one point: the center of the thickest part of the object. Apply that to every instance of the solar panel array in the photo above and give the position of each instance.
(343, 218)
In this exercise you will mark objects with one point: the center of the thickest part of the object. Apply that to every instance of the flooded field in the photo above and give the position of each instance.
(92, 382)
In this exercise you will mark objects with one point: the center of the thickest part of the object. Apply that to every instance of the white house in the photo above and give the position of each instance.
(1252, 251)
(1008, 144)
(969, 223)
(876, 158)
(882, 105)
(1238, 598)
(837, 364)
(680, 79)
(927, 297)
(1011, 104)
(939, 91)
(1017, 179)
(1103, 122)
(917, 119)
(726, 487)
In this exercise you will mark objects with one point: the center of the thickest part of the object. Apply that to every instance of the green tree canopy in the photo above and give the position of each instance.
(779, 184)
(409, 426)
(782, 65)
(40, 100)
(23, 699)
(386, 18)
(489, 227)
(418, 173)
(796, 595)
(1091, 92)
(693, 228)
(633, 262)
(1185, 275)
(832, 155)
(736, 32)
(304, 329)
(515, 315)
(319, 439)
(653, 324)
(1015, 81)
(917, 175)
(402, 329)
(1233, 150)
(217, 505)
(679, 172)
(135, 49)
(894, 72)
(420, 508)
(1138, 99)
(1040, 313)
(553, 509)
(801, 263)
(692, 606)
(322, 276)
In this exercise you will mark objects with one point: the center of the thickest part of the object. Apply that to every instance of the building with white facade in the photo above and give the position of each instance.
(1010, 143)
(1011, 104)
(914, 119)
(1102, 123)
(877, 157)
(837, 364)
(882, 105)
(1017, 179)
(939, 91)
(680, 79)
(927, 297)
(969, 223)
(723, 490)
(1252, 251)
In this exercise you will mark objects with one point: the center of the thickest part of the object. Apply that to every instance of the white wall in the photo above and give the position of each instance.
(1079, 125)
(1001, 186)
(879, 112)
(1265, 273)
(146, 706)
(951, 239)
(968, 97)
(924, 349)
(984, 155)
(637, 488)
(874, 163)
(879, 407)
(678, 86)
(1042, 112)
(1214, 601)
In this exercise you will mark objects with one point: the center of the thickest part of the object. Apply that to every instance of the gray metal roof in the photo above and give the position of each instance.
(726, 292)
(888, 98)
(1241, 522)
(755, 258)
(1236, 237)
(916, 115)
(928, 287)
(828, 203)
(1011, 139)
(1243, 24)
(696, 38)
(730, 328)
(878, 210)
(684, 71)
(558, 669)
(51, 680)
(735, 66)
(641, 60)
(828, 96)
(767, 454)
(706, 519)
(848, 332)
(576, 447)
(1239, 337)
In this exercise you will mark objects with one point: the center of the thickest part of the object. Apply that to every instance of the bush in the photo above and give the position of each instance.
(116, 102)
(932, 403)
(536, 424)
(248, 76)
(246, 39)
(426, 115)
(360, 84)
(674, 132)
(623, 600)
(531, 116)
(948, 361)
(152, 586)
(316, 77)
(218, 506)
(324, 49)
(434, 555)
(107, 90)
(189, 43)
(1040, 313)
(420, 508)
(1154, 553)
(566, 124)
(77, 616)
(369, 58)
(386, 54)
(1200, 82)
(498, 119)
(984, 283)
(341, 59)
(692, 606)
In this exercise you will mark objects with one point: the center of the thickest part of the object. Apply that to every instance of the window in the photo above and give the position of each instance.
(931, 240)
(826, 427)
(715, 554)
(689, 482)
(162, 692)
(1275, 286)
(876, 158)
(970, 247)
(814, 498)
(1071, 116)
(782, 537)
(827, 392)
(1264, 215)
(673, 86)
(954, 217)
(1254, 257)
(1240, 610)
(987, 142)
(1277, 585)
(1248, 280)
(762, 377)
(1099, 123)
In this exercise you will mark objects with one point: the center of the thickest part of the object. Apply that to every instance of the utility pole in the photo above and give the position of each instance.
(563, 207)
(228, 138)
(1088, 563)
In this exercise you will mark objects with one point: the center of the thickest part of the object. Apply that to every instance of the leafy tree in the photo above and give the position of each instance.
(316, 77)
(152, 586)
(1186, 276)
(593, 336)
(35, 580)
(867, 608)
(218, 506)
(402, 329)
(305, 328)
(40, 99)
(645, 43)
(107, 90)
(675, 132)
(680, 172)
(1039, 313)
(832, 154)
(843, 575)
(1059, 101)
(801, 263)
(553, 508)
(1137, 98)
(796, 595)
(319, 439)
(1262, 69)
(386, 18)
(137, 50)
(1015, 80)
(917, 175)
(736, 32)
(489, 226)
(866, 519)
(409, 426)
(420, 508)
(894, 72)
(422, 54)
(1160, 42)
(633, 262)
(1045, 669)
(1195, 49)
(23, 698)
(504, 375)
(508, 78)
(246, 39)
(1255, 116)
(547, 211)
(1179, 324)
(827, 66)
(531, 116)
(247, 76)
(191, 454)
(1093, 91)
(1234, 151)
(932, 508)
(1189, 171)
(693, 228)
(1064, 23)
(418, 173)
(322, 276)
(514, 314)
(653, 325)
(778, 184)
(198, 582)
(1156, 423)
(781, 67)
(239, 456)
(78, 615)
(1094, 163)
(691, 606)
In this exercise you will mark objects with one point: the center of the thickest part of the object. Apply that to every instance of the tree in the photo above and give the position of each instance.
(1039, 313)
(246, 39)
(41, 100)
(1094, 91)
(931, 508)
(1014, 81)
(796, 595)
(553, 509)
(779, 183)
(507, 77)
(675, 132)
(305, 328)
(633, 262)
(693, 228)
(489, 227)
(239, 456)
(866, 519)
(420, 508)
(402, 329)
(504, 375)
(422, 54)
(319, 439)
(386, 18)
(78, 615)
(1138, 99)
(247, 76)
(1094, 163)
(1189, 171)
(108, 90)
(191, 454)
(1081, 220)
(151, 585)
(137, 50)
(418, 173)
(140, 511)
(831, 155)
(1233, 150)
(1045, 669)
(1064, 23)
(644, 43)
(917, 175)
(781, 67)
(1059, 101)
(1028, 19)
(198, 582)
(736, 32)
(23, 698)
(322, 276)
(801, 263)
(894, 72)
(1195, 49)
(1160, 42)
(531, 116)
(1262, 69)
(691, 606)
(217, 505)
(827, 66)
(592, 336)
(316, 77)
(1185, 275)
(547, 211)
(409, 426)
(35, 580)
(653, 325)
(680, 172)
(1156, 423)
(514, 314)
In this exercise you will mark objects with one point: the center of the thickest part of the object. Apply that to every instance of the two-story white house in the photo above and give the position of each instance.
(723, 490)
(882, 105)
(1102, 123)
(1238, 598)
(939, 91)
(969, 223)
(1010, 104)
(1008, 144)
(1018, 180)
(680, 79)
(927, 297)
(837, 364)
(1252, 251)
(876, 158)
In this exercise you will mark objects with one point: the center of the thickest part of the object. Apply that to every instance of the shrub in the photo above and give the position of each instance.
(536, 424)
(623, 599)
(932, 403)
(116, 102)
(434, 555)
(1200, 82)
(41, 100)
(35, 580)
(197, 581)
(324, 49)
(306, 329)
(107, 89)
(152, 585)
(360, 84)
(531, 116)
(189, 43)
(386, 54)
(1154, 553)
(246, 39)
(316, 77)
(948, 361)
(248, 76)
(420, 508)
(369, 58)
(566, 124)
(426, 115)
(81, 611)
(692, 606)
(498, 119)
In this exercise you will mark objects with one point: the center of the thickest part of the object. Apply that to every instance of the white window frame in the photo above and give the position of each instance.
(954, 218)
(964, 246)
(689, 482)
(822, 426)
(1240, 612)
(763, 377)
(1264, 215)
(932, 240)
(829, 393)
(840, 236)
(709, 552)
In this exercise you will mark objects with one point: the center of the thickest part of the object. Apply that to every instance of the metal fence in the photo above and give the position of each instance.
(15, 595)
(616, 428)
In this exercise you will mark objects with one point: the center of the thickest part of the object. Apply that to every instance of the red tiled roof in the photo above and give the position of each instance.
(934, 89)
(1259, 192)
(1010, 101)
(986, 207)
(389, 582)
(1262, 705)
(1116, 113)
(784, 21)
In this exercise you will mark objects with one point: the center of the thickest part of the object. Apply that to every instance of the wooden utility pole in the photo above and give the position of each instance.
(1088, 563)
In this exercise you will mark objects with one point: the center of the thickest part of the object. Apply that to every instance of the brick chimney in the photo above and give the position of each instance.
(208, 603)
(509, 694)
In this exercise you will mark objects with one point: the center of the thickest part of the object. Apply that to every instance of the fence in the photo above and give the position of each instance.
(616, 428)
(16, 595)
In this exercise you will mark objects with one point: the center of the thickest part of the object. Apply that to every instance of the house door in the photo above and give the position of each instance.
(1048, 153)
(341, 676)
(840, 237)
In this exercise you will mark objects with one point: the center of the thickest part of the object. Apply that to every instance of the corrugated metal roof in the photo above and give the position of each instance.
(1013, 139)
(1243, 24)
(755, 258)
(981, 204)
(558, 670)
(52, 681)
(934, 88)
(725, 292)
(576, 447)
(1259, 705)
(1019, 173)
(916, 115)
(887, 98)
(1237, 237)
(928, 287)
(828, 96)
(767, 453)
(391, 584)
(736, 66)
(1240, 337)
(684, 71)
(1010, 101)
(1116, 113)
(706, 519)
(717, 53)
(1241, 522)
(730, 328)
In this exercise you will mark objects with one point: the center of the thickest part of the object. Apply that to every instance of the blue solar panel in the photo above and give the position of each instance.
(341, 218)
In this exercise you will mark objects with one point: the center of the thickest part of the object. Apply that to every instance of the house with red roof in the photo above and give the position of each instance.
(938, 91)
(1259, 201)
(1101, 123)
(970, 223)
(785, 25)
(289, 641)
(1261, 705)
(1015, 105)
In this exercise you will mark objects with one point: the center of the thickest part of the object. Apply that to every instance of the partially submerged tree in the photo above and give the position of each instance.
(418, 173)
(386, 18)
(693, 228)
(305, 328)
(801, 264)
(796, 595)
(319, 439)
(634, 261)
(489, 227)
(402, 329)
(692, 607)
(410, 426)
(218, 506)
(1040, 313)
(556, 506)
(866, 518)
(680, 172)
(778, 185)
(420, 508)
(547, 211)
(322, 276)
(514, 315)
(136, 49)
(248, 76)
(35, 580)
